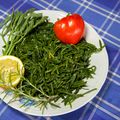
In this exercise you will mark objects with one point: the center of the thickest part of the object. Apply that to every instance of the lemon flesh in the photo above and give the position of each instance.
(11, 70)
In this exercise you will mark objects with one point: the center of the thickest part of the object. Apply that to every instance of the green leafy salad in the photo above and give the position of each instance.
(53, 70)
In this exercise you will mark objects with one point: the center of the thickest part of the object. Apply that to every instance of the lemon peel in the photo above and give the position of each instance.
(11, 70)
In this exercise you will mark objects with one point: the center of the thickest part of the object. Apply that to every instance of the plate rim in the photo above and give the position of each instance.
(107, 60)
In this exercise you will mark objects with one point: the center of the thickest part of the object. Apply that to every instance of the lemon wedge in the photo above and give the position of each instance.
(11, 70)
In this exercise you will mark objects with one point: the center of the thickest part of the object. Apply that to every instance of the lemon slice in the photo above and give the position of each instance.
(11, 70)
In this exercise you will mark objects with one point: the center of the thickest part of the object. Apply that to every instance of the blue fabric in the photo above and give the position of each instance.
(104, 15)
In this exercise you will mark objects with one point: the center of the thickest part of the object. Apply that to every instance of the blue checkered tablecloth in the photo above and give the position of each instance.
(104, 15)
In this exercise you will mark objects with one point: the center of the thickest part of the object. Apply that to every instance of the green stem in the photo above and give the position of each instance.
(3, 39)
(28, 96)
(38, 89)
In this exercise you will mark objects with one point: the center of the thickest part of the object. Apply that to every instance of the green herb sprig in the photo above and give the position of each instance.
(17, 26)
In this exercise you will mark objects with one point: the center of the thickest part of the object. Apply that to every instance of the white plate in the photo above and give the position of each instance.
(100, 60)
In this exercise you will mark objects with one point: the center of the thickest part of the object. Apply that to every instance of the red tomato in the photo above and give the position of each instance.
(70, 29)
